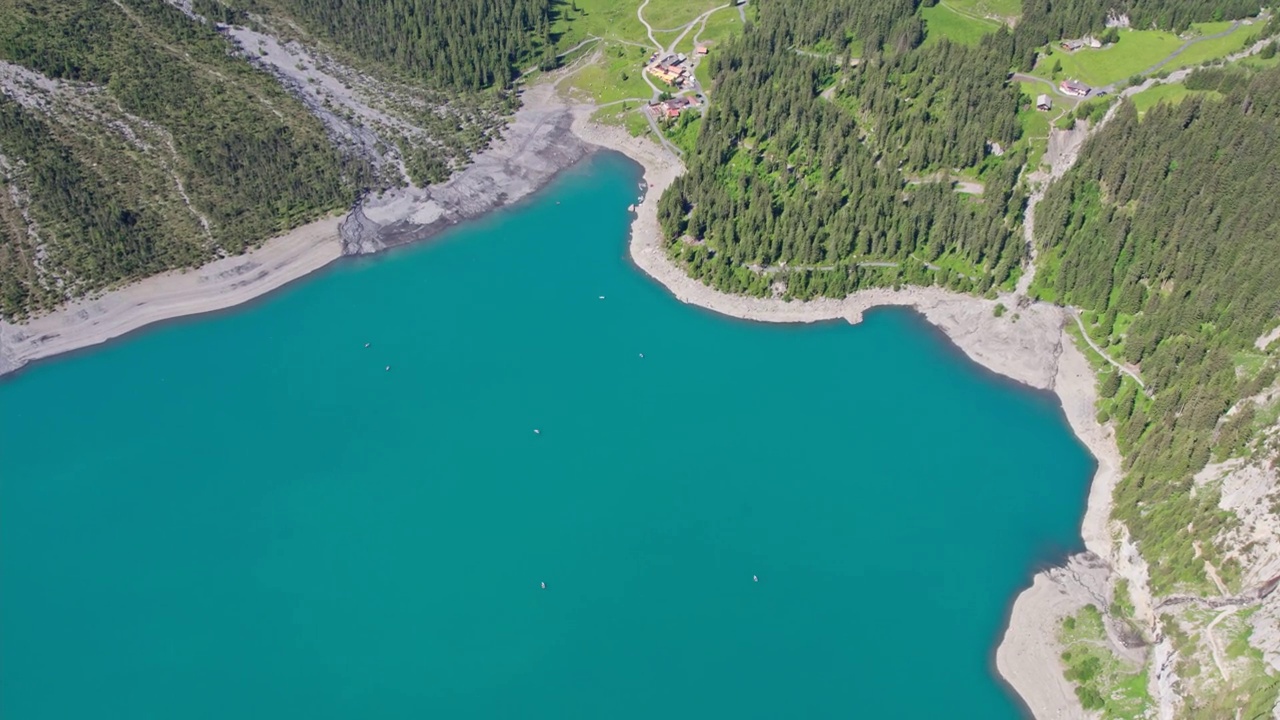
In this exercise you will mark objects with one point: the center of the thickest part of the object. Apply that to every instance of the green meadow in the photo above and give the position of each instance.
(1173, 93)
(944, 21)
(1139, 50)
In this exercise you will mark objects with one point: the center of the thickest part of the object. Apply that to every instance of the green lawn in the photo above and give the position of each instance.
(942, 21)
(988, 8)
(1217, 47)
(722, 25)
(601, 18)
(1138, 50)
(1260, 64)
(1170, 93)
(1035, 127)
(632, 118)
(616, 76)
(671, 14)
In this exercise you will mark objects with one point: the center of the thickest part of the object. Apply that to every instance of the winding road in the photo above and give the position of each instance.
(647, 27)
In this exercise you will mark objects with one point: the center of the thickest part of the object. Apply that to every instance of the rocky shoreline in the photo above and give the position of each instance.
(537, 145)
(1029, 343)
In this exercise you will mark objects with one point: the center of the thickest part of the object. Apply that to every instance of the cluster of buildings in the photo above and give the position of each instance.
(671, 69)
(672, 108)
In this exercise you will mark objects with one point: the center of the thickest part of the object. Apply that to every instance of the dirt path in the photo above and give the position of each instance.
(1214, 648)
(1122, 368)
(686, 28)
(647, 27)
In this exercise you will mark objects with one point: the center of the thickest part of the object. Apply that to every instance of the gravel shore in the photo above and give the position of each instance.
(1028, 343)
(536, 145)
(215, 286)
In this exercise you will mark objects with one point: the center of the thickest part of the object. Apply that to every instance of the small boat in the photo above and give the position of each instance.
(642, 355)
(536, 431)
(388, 367)
(366, 344)
(544, 586)
(601, 297)
(631, 208)
(755, 578)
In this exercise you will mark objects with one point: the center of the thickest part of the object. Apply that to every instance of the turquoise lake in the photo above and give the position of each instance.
(245, 515)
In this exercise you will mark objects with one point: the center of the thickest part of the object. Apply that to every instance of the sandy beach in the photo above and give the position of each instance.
(1028, 344)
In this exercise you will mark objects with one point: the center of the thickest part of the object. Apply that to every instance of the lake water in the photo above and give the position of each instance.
(246, 515)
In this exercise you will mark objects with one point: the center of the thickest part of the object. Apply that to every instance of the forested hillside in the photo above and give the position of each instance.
(464, 44)
(851, 190)
(155, 148)
(1169, 229)
(135, 137)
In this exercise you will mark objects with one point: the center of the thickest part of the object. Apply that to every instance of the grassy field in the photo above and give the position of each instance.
(632, 118)
(600, 18)
(1035, 129)
(988, 8)
(1217, 47)
(672, 14)
(722, 25)
(1170, 92)
(617, 75)
(1138, 50)
(943, 21)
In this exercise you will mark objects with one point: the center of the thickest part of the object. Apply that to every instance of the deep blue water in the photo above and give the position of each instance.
(244, 515)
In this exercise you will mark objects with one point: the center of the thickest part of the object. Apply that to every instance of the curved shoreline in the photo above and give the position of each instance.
(1033, 349)
(1028, 344)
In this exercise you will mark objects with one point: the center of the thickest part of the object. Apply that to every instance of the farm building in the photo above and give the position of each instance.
(1073, 87)
(1043, 103)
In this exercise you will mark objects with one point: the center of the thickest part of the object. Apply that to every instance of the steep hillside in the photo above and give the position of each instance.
(1166, 233)
(140, 135)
